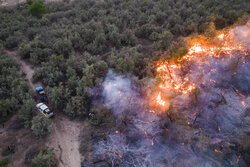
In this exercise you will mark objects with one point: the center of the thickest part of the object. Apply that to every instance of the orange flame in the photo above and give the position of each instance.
(217, 151)
(159, 100)
(171, 79)
(152, 141)
(201, 48)
(221, 36)
(243, 103)
(238, 159)
(119, 155)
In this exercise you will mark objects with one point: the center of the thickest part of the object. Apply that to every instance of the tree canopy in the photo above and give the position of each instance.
(37, 9)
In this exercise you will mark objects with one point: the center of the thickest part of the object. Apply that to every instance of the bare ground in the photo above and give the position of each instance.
(22, 139)
(64, 137)
(65, 141)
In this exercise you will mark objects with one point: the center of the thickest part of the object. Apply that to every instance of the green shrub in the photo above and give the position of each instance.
(165, 40)
(29, 2)
(83, 148)
(101, 117)
(45, 158)
(179, 53)
(41, 126)
(28, 110)
(37, 9)
(14, 90)
(4, 162)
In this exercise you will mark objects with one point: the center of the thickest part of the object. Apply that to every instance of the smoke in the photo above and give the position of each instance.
(118, 92)
(242, 33)
(210, 127)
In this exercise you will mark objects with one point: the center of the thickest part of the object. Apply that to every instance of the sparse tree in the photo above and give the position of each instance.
(58, 96)
(28, 110)
(45, 158)
(41, 126)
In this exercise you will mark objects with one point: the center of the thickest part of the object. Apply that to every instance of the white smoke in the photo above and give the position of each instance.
(218, 119)
(118, 92)
(242, 33)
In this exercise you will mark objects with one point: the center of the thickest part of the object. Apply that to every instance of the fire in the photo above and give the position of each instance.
(152, 141)
(119, 155)
(217, 151)
(221, 36)
(243, 103)
(160, 101)
(169, 73)
(173, 74)
(152, 111)
(238, 158)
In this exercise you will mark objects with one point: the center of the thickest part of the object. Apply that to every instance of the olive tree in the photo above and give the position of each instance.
(41, 126)
(45, 158)
(28, 110)
(37, 9)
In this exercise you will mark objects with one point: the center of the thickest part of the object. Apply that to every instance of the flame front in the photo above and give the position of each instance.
(174, 75)
(172, 80)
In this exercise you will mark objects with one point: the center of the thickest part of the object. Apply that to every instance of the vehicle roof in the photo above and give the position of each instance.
(43, 107)
(39, 104)
(39, 88)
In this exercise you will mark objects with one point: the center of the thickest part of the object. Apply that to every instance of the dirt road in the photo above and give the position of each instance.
(65, 141)
(26, 68)
(64, 137)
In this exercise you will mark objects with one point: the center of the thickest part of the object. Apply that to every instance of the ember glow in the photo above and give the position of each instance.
(115, 153)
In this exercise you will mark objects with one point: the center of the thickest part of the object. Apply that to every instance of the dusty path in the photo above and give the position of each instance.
(64, 137)
(25, 67)
(65, 141)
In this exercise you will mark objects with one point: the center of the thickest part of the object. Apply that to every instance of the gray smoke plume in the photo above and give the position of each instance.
(212, 128)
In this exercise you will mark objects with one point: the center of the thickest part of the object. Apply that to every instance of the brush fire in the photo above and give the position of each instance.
(196, 115)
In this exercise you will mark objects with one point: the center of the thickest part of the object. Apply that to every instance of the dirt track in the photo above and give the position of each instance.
(26, 68)
(65, 141)
(64, 137)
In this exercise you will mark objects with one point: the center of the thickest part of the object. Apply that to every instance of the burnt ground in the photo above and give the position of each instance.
(20, 145)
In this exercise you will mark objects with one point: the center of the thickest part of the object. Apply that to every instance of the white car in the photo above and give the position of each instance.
(44, 110)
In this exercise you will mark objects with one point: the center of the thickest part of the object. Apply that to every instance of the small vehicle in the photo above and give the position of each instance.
(44, 110)
(41, 93)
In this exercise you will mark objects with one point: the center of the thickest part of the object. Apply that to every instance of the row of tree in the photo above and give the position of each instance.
(74, 44)
(17, 96)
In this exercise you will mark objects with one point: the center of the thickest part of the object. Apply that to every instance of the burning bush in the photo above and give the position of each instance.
(203, 118)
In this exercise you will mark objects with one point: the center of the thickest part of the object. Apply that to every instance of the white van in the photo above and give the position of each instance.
(44, 110)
